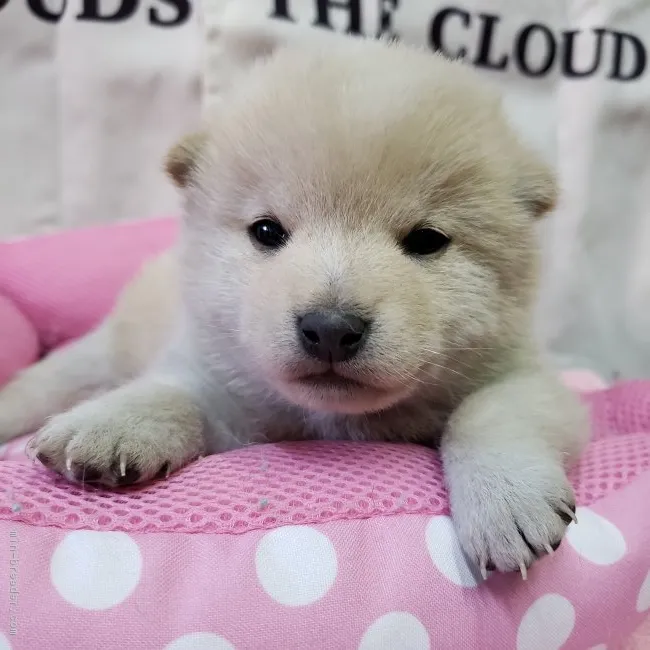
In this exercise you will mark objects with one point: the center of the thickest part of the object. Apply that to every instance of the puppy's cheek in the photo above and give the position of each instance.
(480, 318)
(268, 338)
(393, 367)
(401, 343)
(476, 308)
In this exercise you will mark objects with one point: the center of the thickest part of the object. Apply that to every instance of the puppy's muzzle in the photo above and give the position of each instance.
(332, 336)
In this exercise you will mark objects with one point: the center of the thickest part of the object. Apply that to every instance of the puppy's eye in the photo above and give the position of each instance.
(424, 241)
(269, 233)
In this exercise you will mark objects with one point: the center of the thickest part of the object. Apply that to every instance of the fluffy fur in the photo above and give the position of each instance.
(350, 144)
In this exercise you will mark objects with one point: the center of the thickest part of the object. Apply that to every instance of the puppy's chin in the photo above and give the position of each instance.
(329, 393)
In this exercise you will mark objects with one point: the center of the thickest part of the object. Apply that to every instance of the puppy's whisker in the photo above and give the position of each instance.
(451, 370)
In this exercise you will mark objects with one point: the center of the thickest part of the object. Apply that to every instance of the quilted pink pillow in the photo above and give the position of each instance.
(66, 282)
(19, 341)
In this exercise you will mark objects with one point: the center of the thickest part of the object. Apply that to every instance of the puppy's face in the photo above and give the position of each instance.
(356, 218)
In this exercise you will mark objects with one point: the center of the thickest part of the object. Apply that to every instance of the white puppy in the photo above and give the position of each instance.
(358, 262)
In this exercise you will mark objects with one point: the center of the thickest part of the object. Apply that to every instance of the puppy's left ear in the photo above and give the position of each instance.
(183, 158)
(536, 185)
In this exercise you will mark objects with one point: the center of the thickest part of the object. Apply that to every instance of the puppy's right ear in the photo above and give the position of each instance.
(183, 157)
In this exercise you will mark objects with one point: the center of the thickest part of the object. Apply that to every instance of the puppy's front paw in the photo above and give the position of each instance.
(507, 518)
(121, 438)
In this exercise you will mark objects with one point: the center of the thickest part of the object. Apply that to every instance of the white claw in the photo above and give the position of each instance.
(549, 549)
(484, 572)
(524, 571)
(571, 514)
(68, 464)
(122, 467)
(168, 472)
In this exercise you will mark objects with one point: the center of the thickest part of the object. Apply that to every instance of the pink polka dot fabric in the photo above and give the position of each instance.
(321, 545)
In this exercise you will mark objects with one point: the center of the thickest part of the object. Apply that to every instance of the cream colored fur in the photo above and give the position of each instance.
(350, 144)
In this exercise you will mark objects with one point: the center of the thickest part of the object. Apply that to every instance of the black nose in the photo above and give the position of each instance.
(332, 336)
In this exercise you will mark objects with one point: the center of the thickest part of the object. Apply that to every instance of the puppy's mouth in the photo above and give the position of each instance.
(330, 380)
(330, 390)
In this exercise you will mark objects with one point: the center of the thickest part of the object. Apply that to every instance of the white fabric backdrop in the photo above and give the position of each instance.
(88, 107)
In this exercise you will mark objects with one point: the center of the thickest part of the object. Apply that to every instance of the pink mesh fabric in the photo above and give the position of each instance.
(257, 487)
(312, 482)
(621, 409)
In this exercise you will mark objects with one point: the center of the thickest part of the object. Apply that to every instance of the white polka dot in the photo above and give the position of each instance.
(200, 641)
(396, 631)
(95, 570)
(596, 539)
(643, 599)
(4, 643)
(547, 624)
(296, 565)
(447, 554)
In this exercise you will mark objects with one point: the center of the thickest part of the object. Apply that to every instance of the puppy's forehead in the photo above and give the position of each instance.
(354, 137)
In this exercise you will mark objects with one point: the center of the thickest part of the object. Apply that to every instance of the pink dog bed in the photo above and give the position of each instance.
(291, 546)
